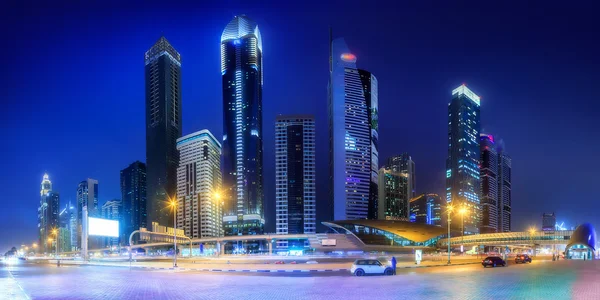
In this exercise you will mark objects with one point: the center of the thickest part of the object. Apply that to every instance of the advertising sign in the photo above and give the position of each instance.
(418, 256)
(103, 227)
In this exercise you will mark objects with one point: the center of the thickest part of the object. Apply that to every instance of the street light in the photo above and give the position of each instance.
(55, 233)
(449, 209)
(531, 233)
(173, 204)
(462, 212)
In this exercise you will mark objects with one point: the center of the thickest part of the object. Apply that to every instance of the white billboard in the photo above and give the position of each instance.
(328, 242)
(103, 227)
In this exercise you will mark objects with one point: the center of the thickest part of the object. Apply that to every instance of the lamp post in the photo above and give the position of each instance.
(462, 212)
(173, 204)
(531, 233)
(55, 233)
(449, 210)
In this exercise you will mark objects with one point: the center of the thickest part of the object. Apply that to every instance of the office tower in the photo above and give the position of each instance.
(133, 195)
(489, 184)
(163, 128)
(68, 227)
(548, 222)
(463, 185)
(295, 184)
(427, 209)
(504, 190)
(113, 210)
(397, 181)
(199, 203)
(242, 78)
(48, 216)
(353, 134)
(87, 196)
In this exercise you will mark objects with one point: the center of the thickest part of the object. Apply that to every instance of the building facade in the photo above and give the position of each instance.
(463, 184)
(163, 128)
(397, 185)
(68, 227)
(489, 185)
(427, 209)
(242, 78)
(295, 186)
(113, 210)
(353, 136)
(548, 222)
(48, 216)
(87, 196)
(133, 195)
(504, 190)
(199, 202)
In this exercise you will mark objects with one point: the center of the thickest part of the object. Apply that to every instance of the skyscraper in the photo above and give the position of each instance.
(489, 185)
(199, 203)
(68, 227)
(87, 195)
(48, 215)
(504, 190)
(353, 135)
(397, 185)
(133, 193)
(463, 185)
(295, 175)
(427, 209)
(113, 210)
(163, 127)
(242, 78)
(548, 222)
(495, 186)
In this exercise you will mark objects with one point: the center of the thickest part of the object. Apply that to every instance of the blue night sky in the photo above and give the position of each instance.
(72, 83)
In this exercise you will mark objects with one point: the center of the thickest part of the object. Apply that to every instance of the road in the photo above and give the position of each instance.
(539, 280)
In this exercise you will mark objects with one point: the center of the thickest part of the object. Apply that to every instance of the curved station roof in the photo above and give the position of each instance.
(585, 234)
(411, 231)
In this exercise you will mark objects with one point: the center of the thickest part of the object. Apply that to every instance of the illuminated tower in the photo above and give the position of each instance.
(48, 215)
(462, 166)
(353, 135)
(163, 128)
(489, 185)
(242, 75)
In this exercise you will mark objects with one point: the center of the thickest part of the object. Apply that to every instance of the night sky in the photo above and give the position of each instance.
(72, 90)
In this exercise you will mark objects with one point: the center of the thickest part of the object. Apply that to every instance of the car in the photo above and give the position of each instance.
(362, 267)
(522, 258)
(493, 261)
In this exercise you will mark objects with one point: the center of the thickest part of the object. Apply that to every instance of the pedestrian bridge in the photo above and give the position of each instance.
(510, 238)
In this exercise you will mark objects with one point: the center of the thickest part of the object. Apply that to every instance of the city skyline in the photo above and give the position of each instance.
(109, 178)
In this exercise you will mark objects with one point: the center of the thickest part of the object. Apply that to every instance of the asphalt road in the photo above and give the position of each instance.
(539, 280)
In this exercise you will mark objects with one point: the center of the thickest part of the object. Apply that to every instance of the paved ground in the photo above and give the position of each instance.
(539, 280)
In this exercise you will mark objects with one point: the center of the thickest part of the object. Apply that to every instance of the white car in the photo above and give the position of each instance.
(362, 267)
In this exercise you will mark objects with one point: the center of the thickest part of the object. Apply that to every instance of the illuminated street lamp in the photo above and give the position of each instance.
(55, 233)
(173, 204)
(531, 233)
(462, 212)
(449, 209)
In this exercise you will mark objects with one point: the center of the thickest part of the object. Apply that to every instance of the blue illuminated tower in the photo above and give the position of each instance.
(353, 135)
(242, 75)
(463, 184)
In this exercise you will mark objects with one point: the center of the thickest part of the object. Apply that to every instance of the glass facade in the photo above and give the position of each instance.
(396, 187)
(463, 184)
(133, 195)
(242, 79)
(48, 215)
(163, 128)
(295, 176)
(353, 128)
(489, 184)
(87, 195)
(427, 209)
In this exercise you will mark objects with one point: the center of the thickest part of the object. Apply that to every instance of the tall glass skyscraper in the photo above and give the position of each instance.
(48, 215)
(242, 75)
(489, 185)
(504, 190)
(295, 186)
(163, 127)
(397, 183)
(353, 135)
(463, 184)
(87, 195)
(133, 193)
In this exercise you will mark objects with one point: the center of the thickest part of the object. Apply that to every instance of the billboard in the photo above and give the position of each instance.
(328, 242)
(103, 227)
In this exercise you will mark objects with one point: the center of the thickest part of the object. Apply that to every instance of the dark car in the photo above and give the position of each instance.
(493, 261)
(522, 258)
